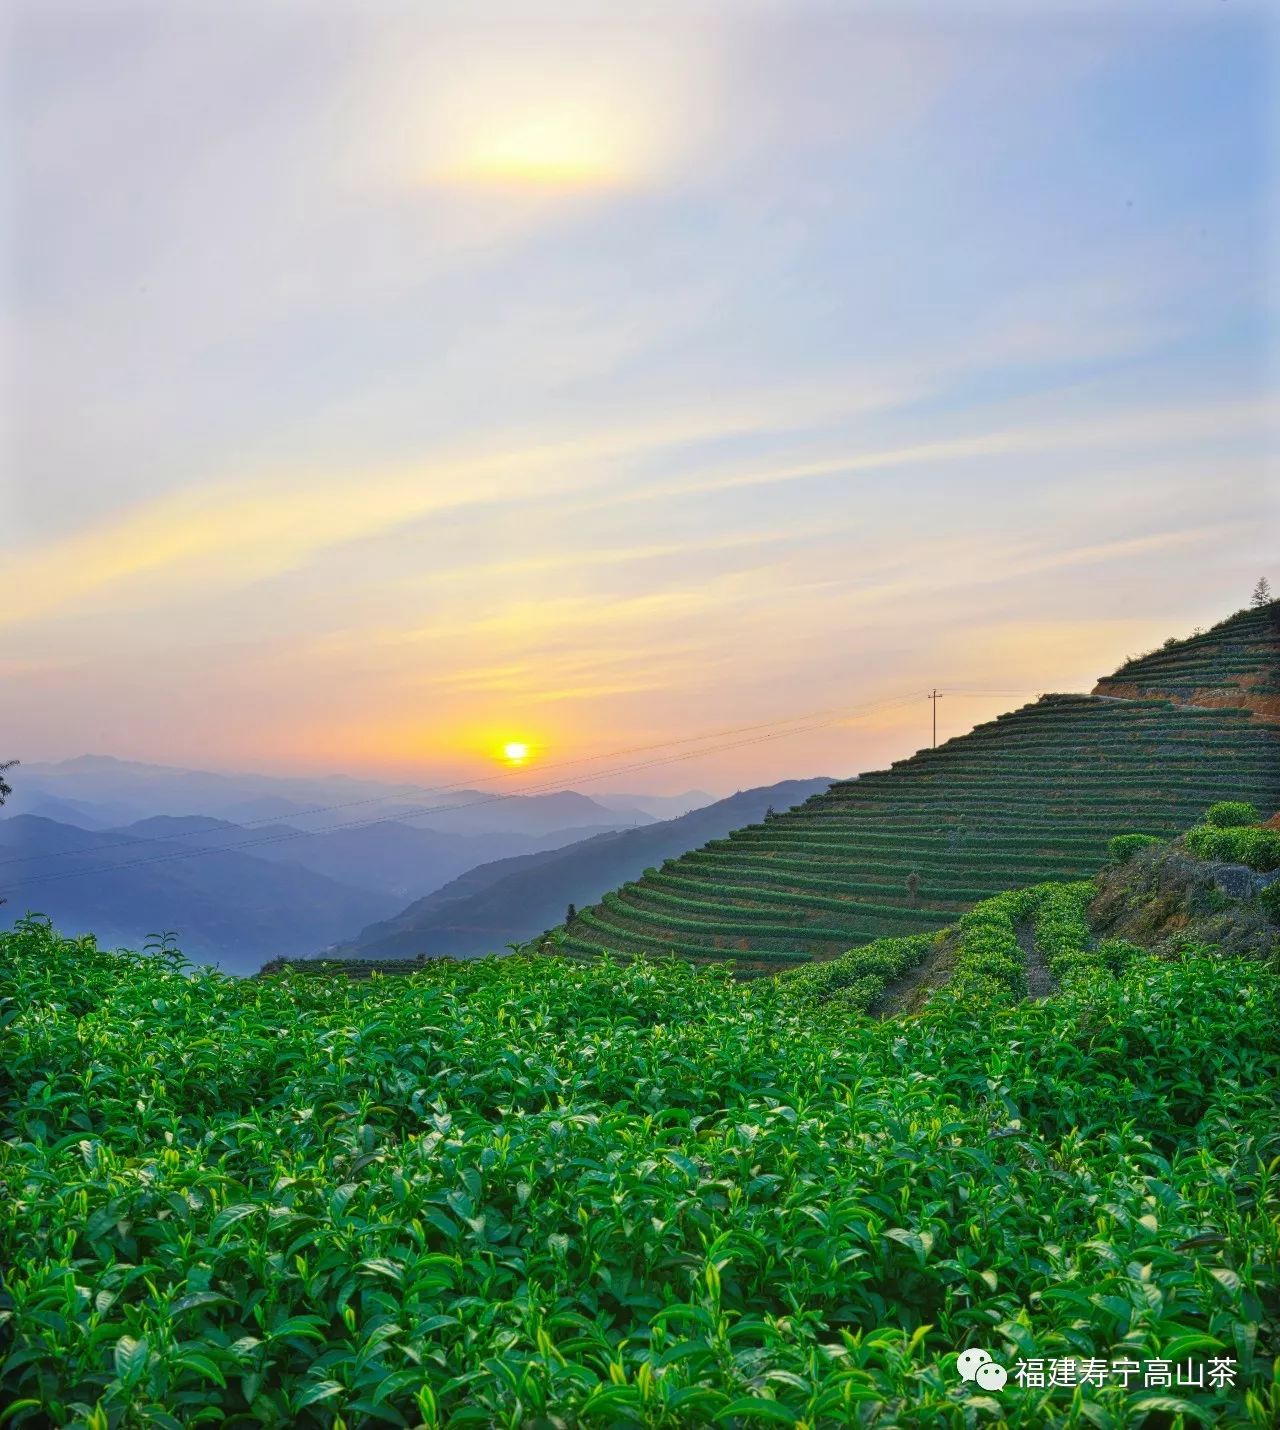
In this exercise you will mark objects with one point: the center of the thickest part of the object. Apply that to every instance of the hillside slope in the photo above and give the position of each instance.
(1033, 795)
(1234, 664)
(514, 899)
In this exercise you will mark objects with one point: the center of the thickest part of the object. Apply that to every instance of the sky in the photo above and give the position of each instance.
(383, 385)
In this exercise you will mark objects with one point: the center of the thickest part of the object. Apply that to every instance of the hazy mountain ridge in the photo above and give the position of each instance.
(132, 790)
(236, 895)
(387, 856)
(530, 894)
(227, 907)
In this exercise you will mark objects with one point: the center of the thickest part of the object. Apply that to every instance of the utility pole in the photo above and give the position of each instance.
(935, 696)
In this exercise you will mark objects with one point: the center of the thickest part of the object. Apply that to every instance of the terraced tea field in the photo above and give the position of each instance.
(1235, 663)
(1031, 796)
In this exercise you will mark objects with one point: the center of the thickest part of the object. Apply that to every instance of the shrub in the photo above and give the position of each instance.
(857, 978)
(1259, 848)
(1206, 842)
(1230, 814)
(989, 960)
(1269, 901)
(1256, 848)
(1123, 847)
(1118, 953)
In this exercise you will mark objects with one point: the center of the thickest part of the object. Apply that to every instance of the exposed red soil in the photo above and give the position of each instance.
(1232, 698)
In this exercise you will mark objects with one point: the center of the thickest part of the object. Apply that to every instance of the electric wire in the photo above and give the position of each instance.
(837, 714)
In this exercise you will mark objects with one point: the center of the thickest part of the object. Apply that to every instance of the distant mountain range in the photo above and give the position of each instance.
(100, 792)
(75, 847)
(245, 868)
(235, 896)
(661, 806)
(514, 899)
(386, 857)
(227, 908)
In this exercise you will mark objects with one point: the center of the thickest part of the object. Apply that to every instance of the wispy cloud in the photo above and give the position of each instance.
(238, 531)
(396, 379)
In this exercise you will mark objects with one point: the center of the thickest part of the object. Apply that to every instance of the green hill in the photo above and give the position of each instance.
(1033, 795)
(1235, 664)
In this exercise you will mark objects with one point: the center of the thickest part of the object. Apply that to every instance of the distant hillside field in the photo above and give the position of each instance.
(1032, 795)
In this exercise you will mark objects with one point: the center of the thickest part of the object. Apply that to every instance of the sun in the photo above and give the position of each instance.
(565, 149)
(517, 752)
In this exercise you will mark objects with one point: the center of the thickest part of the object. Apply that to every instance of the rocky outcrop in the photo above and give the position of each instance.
(1164, 899)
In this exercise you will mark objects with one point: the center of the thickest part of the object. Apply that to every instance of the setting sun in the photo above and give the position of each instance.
(564, 149)
(516, 752)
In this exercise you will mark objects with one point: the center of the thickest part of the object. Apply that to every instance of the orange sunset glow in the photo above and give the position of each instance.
(567, 376)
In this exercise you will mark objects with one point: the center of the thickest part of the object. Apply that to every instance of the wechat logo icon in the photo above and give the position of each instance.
(976, 1365)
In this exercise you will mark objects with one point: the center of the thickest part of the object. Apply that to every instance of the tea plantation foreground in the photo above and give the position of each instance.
(539, 1192)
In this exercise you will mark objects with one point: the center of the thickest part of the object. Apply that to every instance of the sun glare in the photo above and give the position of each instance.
(516, 752)
(566, 148)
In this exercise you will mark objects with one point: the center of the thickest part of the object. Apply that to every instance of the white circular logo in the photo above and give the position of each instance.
(991, 1376)
(968, 1361)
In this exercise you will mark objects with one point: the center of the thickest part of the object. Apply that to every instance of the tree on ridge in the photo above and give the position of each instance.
(5, 788)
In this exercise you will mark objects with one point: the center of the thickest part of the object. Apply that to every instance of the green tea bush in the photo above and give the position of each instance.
(1230, 814)
(1062, 931)
(1269, 901)
(1116, 954)
(989, 962)
(1122, 847)
(1058, 911)
(532, 1192)
(856, 979)
(1258, 847)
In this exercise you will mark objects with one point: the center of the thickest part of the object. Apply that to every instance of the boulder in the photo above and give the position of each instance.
(1235, 880)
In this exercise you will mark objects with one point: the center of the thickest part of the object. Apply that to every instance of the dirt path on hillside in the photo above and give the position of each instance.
(1039, 980)
(906, 994)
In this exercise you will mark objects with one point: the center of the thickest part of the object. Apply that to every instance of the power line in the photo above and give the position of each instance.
(836, 713)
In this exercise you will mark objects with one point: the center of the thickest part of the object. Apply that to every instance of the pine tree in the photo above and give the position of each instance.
(570, 914)
(1261, 593)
